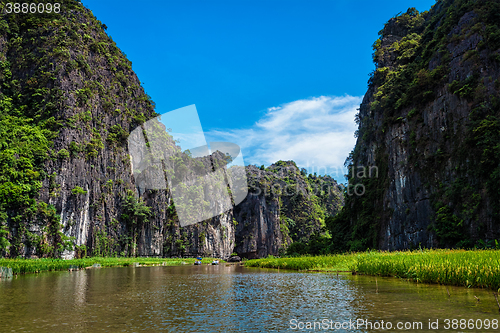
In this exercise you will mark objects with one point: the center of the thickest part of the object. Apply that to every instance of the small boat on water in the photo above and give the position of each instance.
(215, 262)
(197, 262)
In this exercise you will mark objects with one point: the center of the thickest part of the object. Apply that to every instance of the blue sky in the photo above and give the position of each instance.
(282, 79)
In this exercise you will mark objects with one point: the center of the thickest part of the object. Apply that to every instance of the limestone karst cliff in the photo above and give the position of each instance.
(430, 122)
(69, 100)
(285, 203)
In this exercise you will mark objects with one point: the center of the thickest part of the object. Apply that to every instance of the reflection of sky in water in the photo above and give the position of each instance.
(224, 299)
(174, 299)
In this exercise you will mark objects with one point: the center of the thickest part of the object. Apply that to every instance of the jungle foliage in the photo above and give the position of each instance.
(38, 51)
(408, 75)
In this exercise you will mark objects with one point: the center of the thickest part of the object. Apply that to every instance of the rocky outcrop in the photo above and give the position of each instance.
(283, 206)
(429, 121)
(68, 186)
(78, 88)
(234, 259)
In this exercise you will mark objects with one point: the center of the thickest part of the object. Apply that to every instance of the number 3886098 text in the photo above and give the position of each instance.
(31, 8)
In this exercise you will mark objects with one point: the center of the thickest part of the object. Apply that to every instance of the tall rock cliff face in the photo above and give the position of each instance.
(283, 206)
(430, 122)
(69, 100)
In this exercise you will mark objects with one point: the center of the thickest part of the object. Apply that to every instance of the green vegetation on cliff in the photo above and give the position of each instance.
(69, 101)
(56, 71)
(288, 205)
(433, 101)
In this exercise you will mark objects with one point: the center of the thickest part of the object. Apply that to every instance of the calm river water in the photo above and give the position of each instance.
(231, 299)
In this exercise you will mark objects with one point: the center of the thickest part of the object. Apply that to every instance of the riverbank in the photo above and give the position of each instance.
(25, 266)
(473, 268)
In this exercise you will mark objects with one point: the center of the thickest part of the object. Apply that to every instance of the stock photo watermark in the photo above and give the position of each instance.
(358, 173)
(208, 179)
(383, 325)
(203, 180)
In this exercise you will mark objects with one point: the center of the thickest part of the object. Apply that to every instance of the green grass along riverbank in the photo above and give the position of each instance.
(473, 268)
(477, 268)
(25, 266)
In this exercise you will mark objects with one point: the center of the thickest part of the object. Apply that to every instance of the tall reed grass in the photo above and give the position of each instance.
(478, 268)
(472, 268)
(23, 266)
(338, 262)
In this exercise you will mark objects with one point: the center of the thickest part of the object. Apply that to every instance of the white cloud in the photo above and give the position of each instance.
(317, 133)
